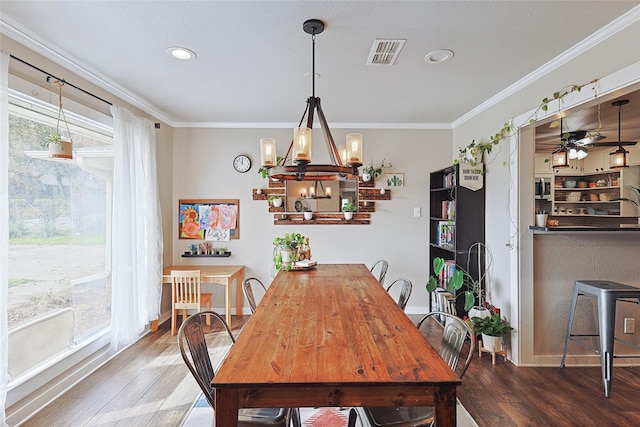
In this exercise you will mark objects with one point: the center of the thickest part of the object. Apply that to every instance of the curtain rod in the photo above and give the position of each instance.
(49, 75)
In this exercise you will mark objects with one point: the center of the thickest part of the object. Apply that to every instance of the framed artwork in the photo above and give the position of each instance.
(394, 179)
(209, 219)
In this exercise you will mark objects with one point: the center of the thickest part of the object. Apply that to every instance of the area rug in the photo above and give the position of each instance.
(201, 414)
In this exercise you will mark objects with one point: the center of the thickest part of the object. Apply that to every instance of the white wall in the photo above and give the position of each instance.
(614, 53)
(202, 169)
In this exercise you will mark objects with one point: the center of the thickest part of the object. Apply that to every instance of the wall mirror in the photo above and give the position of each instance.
(320, 196)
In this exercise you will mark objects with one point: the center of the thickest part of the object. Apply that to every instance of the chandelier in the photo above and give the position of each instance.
(344, 161)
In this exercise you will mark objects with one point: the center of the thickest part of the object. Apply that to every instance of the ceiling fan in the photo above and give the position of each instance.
(618, 104)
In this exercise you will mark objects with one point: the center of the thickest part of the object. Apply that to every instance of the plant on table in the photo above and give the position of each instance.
(289, 243)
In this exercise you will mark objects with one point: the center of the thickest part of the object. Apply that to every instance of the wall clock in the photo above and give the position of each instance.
(242, 163)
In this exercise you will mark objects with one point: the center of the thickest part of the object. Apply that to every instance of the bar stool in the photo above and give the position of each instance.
(607, 293)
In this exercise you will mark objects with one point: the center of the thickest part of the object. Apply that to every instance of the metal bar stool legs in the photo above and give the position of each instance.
(607, 294)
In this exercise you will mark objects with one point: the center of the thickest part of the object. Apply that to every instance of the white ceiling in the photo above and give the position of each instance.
(252, 56)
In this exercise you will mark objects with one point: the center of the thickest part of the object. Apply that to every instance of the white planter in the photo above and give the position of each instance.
(491, 343)
(480, 312)
(62, 150)
(348, 215)
(308, 215)
(287, 254)
(366, 177)
(277, 202)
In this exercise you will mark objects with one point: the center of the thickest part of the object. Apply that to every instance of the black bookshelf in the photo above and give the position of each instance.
(456, 222)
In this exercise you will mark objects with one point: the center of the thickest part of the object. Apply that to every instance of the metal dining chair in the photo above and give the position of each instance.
(186, 294)
(247, 290)
(197, 355)
(405, 291)
(451, 346)
(382, 265)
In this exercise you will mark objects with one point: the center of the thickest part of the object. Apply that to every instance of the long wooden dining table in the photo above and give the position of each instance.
(332, 336)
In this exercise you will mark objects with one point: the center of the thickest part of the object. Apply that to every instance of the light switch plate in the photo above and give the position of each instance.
(417, 212)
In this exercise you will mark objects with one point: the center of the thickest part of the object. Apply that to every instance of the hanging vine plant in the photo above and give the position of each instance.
(474, 153)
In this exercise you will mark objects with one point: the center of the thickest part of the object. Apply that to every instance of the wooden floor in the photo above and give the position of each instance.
(148, 385)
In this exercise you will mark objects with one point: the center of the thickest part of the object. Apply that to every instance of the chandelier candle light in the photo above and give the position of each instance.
(344, 162)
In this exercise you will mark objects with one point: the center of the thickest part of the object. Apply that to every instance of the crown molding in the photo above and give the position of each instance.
(74, 65)
(594, 39)
(275, 125)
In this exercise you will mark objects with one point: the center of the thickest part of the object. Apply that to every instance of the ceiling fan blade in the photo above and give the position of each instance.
(613, 144)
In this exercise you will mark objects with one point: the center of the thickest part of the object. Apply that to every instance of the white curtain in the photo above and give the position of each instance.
(4, 231)
(136, 231)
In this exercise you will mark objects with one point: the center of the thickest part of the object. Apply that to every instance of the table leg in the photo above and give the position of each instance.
(226, 412)
(239, 295)
(607, 316)
(445, 406)
(227, 301)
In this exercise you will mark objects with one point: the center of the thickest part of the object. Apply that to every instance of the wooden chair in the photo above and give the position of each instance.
(451, 347)
(247, 290)
(197, 355)
(186, 294)
(405, 291)
(383, 265)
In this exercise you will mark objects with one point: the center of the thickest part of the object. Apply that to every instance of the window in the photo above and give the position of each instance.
(59, 219)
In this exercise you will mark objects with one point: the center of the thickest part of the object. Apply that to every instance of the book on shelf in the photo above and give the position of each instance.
(448, 209)
(449, 179)
(446, 234)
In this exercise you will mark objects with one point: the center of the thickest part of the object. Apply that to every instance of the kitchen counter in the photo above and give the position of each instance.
(585, 229)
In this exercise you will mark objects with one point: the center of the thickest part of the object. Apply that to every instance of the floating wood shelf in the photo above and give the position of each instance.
(367, 197)
(190, 255)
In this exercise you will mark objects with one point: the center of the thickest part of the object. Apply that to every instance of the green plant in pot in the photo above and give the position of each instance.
(458, 279)
(285, 250)
(348, 209)
(59, 147)
(276, 200)
(371, 172)
(492, 329)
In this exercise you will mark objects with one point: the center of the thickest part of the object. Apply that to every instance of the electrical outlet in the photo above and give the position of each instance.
(629, 325)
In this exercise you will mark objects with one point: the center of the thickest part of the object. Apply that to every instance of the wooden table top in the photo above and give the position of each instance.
(332, 325)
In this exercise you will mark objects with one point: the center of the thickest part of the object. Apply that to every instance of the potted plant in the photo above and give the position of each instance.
(348, 209)
(58, 146)
(285, 250)
(492, 329)
(371, 172)
(459, 278)
(275, 200)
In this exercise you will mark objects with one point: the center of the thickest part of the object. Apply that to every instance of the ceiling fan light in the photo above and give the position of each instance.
(582, 153)
(573, 153)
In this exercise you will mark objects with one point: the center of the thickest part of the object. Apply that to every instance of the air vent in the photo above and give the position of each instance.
(385, 51)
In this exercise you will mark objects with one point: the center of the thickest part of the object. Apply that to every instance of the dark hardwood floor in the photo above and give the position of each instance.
(149, 385)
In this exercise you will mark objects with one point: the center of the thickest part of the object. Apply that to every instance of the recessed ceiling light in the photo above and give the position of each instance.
(181, 53)
(438, 56)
